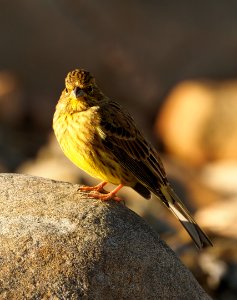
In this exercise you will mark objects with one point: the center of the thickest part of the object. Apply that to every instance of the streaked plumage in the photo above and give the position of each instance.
(98, 136)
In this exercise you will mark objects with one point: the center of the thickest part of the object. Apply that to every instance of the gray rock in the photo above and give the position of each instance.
(58, 244)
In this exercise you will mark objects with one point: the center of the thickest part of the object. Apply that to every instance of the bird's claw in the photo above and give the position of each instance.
(104, 197)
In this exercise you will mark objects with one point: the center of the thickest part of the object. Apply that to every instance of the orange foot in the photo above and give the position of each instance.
(98, 188)
(109, 196)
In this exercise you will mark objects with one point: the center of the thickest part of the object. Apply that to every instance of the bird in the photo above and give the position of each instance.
(101, 138)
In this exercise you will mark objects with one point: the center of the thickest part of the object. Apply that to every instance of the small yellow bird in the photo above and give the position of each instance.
(99, 137)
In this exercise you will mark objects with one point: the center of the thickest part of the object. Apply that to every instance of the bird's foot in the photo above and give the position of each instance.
(98, 194)
(98, 188)
(105, 197)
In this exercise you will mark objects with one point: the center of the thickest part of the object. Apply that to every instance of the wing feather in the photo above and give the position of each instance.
(128, 145)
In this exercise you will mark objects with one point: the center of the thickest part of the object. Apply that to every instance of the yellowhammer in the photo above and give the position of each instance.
(98, 136)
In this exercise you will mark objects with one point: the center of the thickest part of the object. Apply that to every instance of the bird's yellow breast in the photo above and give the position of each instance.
(80, 141)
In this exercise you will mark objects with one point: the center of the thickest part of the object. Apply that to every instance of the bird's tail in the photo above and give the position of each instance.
(177, 207)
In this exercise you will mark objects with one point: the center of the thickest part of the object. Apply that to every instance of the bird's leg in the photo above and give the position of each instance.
(110, 196)
(98, 188)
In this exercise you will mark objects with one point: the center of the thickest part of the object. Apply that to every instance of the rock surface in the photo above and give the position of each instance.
(58, 244)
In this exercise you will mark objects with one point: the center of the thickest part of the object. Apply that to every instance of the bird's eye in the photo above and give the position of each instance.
(89, 89)
(66, 90)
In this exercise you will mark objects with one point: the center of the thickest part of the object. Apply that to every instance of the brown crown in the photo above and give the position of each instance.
(78, 77)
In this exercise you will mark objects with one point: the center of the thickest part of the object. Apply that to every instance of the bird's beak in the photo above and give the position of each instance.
(77, 92)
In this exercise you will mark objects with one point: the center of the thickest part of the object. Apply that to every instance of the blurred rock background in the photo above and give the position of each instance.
(174, 66)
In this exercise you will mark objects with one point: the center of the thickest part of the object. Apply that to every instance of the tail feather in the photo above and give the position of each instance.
(177, 207)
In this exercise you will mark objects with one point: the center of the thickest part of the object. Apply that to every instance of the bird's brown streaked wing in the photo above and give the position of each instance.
(122, 138)
(128, 145)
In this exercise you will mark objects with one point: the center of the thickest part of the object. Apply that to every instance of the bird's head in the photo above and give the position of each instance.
(80, 82)
(81, 90)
